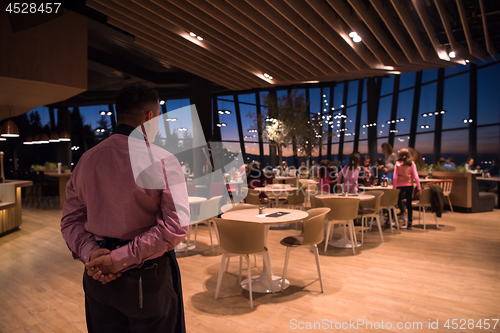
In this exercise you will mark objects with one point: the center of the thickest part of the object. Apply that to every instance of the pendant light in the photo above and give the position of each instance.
(9, 129)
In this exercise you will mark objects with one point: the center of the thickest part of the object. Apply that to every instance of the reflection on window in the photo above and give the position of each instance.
(488, 144)
(400, 142)
(248, 115)
(456, 101)
(363, 134)
(424, 143)
(427, 104)
(252, 152)
(405, 106)
(384, 114)
(229, 127)
(455, 144)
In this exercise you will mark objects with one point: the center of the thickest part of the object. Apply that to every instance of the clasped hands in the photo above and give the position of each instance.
(100, 267)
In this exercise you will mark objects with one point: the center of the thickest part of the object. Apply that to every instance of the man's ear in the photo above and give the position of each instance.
(149, 115)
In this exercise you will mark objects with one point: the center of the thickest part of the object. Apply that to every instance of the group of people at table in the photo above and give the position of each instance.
(400, 170)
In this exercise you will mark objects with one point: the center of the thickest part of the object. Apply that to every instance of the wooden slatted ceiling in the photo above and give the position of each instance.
(295, 41)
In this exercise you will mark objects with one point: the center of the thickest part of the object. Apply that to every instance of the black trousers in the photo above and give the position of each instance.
(115, 306)
(406, 192)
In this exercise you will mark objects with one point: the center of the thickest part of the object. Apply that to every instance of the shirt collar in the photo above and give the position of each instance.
(124, 129)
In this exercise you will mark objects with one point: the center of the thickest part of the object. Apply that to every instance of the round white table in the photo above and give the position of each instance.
(261, 283)
(276, 190)
(184, 247)
(344, 242)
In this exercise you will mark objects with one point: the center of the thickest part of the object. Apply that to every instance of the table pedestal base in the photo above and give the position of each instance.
(184, 247)
(261, 284)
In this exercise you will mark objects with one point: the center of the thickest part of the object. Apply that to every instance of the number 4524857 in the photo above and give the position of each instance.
(32, 8)
(464, 324)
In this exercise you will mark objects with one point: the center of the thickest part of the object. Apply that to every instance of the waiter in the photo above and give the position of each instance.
(125, 232)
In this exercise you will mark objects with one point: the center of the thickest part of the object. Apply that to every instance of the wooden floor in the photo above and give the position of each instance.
(452, 273)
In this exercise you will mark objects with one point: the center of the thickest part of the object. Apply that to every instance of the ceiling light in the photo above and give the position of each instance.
(452, 54)
(199, 38)
(353, 34)
(109, 113)
(467, 61)
(102, 113)
(192, 34)
(162, 102)
(356, 39)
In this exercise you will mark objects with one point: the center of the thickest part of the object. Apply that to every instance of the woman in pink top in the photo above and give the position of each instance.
(405, 173)
(350, 173)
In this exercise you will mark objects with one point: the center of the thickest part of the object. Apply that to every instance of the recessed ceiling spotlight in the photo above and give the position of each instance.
(467, 61)
(266, 75)
(199, 38)
(192, 34)
(356, 39)
(452, 54)
(162, 102)
(353, 34)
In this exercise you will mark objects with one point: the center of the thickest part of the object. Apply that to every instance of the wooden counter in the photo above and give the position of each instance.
(10, 205)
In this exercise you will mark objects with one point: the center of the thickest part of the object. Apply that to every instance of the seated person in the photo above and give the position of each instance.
(366, 175)
(324, 181)
(185, 168)
(469, 165)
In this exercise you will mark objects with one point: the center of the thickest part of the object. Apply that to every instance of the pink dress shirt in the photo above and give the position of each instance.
(103, 200)
(350, 178)
(405, 174)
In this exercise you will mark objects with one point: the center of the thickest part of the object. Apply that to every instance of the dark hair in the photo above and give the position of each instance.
(133, 99)
(366, 157)
(380, 161)
(388, 148)
(353, 161)
(323, 168)
(405, 157)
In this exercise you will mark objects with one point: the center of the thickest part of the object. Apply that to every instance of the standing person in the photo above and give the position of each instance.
(126, 234)
(417, 156)
(390, 159)
(349, 174)
(405, 174)
(314, 170)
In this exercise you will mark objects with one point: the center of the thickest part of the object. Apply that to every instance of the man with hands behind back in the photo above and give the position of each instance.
(125, 234)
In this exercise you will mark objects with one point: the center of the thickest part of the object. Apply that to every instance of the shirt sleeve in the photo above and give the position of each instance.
(78, 239)
(415, 175)
(390, 162)
(171, 222)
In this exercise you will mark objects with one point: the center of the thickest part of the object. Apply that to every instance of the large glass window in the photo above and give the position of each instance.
(456, 101)
(424, 143)
(407, 80)
(363, 147)
(363, 134)
(430, 75)
(315, 100)
(387, 85)
(338, 96)
(427, 105)
(352, 94)
(457, 69)
(405, 106)
(488, 95)
(455, 144)
(488, 144)
(384, 114)
(229, 130)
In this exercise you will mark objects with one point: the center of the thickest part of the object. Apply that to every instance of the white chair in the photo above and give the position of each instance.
(240, 239)
(446, 185)
(342, 211)
(312, 234)
(371, 209)
(389, 202)
(424, 202)
(209, 208)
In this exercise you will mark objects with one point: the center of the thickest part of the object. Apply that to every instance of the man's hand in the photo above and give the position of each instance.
(100, 266)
